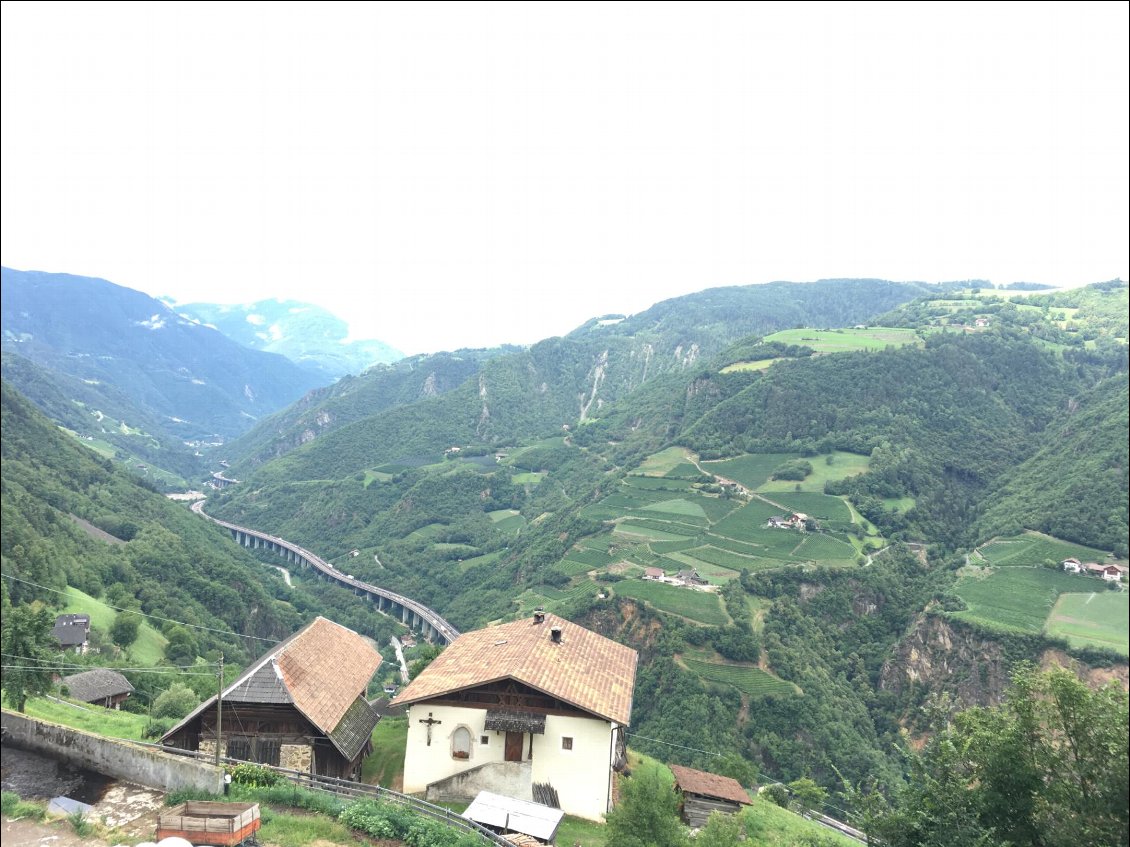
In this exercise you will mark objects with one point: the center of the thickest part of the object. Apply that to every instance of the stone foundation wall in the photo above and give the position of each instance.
(113, 757)
(297, 757)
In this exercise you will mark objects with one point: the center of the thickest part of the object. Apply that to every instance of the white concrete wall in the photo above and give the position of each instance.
(424, 764)
(583, 775)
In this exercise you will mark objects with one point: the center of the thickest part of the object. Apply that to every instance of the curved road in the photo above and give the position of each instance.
(412, 609)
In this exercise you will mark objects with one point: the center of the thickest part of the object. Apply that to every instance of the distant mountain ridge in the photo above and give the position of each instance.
(306, 334)
(565, 380)
(194, 379)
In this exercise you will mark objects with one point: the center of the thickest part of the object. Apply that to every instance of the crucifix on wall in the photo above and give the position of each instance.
(430, 721)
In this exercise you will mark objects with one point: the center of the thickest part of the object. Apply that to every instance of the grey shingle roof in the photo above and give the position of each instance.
(96, 684)
(354, 728)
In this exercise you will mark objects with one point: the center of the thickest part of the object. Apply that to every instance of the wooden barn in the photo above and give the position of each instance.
(100, 686)
(704, 793)
(300, 706)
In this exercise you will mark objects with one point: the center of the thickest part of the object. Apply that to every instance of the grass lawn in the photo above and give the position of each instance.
(758, 365)
(820, 506)
(281, 829)
(526, 478)
(843, 465)
(108, 722)
(385, 765)
(149, 649)
(701, 606)
(845, 340)
(1097, 619)
(663, 462)
(768, 825)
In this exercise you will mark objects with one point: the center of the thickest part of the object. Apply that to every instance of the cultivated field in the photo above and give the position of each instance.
(701, 606)
(1097, 619)
(1017, 599)
(745, 678)
(1033, 549)
(847, 340)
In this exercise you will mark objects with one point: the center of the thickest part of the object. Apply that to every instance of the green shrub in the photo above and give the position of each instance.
(13, 807)
(175, 702)
(253, 775)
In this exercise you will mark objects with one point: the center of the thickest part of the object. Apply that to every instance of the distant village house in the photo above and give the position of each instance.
(72, 632)
(300, 706)
(100, 687)
(535, 709)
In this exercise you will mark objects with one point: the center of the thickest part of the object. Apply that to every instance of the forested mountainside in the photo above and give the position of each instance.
(575, 377)
(306, 334)
(380, 388)
(864, 515)
(1075, 486)
(73, 519)
(104, 417)
(195, 380)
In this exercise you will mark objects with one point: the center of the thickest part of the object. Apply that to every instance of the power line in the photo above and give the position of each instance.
(63, 664)
(146, 615)
(51, 668)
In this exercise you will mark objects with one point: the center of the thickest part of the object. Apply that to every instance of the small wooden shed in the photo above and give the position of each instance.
(704, 793)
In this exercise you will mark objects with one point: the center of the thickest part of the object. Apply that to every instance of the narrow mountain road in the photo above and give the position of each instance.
(285, 575)
(396, 645)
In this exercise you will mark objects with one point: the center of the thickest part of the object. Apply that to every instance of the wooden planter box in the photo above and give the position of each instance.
(205, 822)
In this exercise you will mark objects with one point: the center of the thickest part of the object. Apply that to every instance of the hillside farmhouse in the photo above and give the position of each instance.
(72, 632)
(534, 709)
(100, 686)
(704, 793)
(301, 705)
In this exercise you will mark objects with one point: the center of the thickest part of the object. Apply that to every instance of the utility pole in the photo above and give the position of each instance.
(219, 707)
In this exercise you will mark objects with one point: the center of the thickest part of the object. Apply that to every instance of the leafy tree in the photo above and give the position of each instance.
(1047, 768)
(27, 647)
(647, 814)
(721, 830)
(807, 794)
(125, 628)
(175, 702)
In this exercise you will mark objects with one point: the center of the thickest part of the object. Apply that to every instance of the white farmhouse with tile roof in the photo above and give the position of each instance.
(534, 709)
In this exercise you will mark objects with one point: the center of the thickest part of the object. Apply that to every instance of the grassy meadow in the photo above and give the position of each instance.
(1100, 618)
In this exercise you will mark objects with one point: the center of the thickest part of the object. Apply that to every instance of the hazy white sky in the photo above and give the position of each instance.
(446, 175)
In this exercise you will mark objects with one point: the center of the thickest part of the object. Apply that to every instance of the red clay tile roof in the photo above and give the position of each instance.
(585, 669)
(322, 669)
(690, 781)
(325, 668)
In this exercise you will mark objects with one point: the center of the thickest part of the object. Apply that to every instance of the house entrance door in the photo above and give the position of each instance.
(513, 746)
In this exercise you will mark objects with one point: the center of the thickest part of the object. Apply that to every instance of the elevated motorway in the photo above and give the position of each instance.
(410, 612)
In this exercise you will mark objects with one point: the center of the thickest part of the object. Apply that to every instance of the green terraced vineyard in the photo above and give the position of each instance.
(677, 507)
(657, 483)
(750, 470)
(724, 558)
(1018, 599)
(685, 470)
(714, 574)
(591, 558)
(701, 606)
(745, 678)
(821, 548)
(748, 523)
(1032, 548)
(572, 568)
(819, 506)
(1100, 618)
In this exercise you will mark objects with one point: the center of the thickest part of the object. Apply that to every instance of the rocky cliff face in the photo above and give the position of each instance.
(974, 666)
(939, 656)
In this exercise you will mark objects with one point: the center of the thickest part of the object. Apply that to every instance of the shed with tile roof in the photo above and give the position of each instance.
(100, 686)
(704, 793)
(532, 709)
(301, 705)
